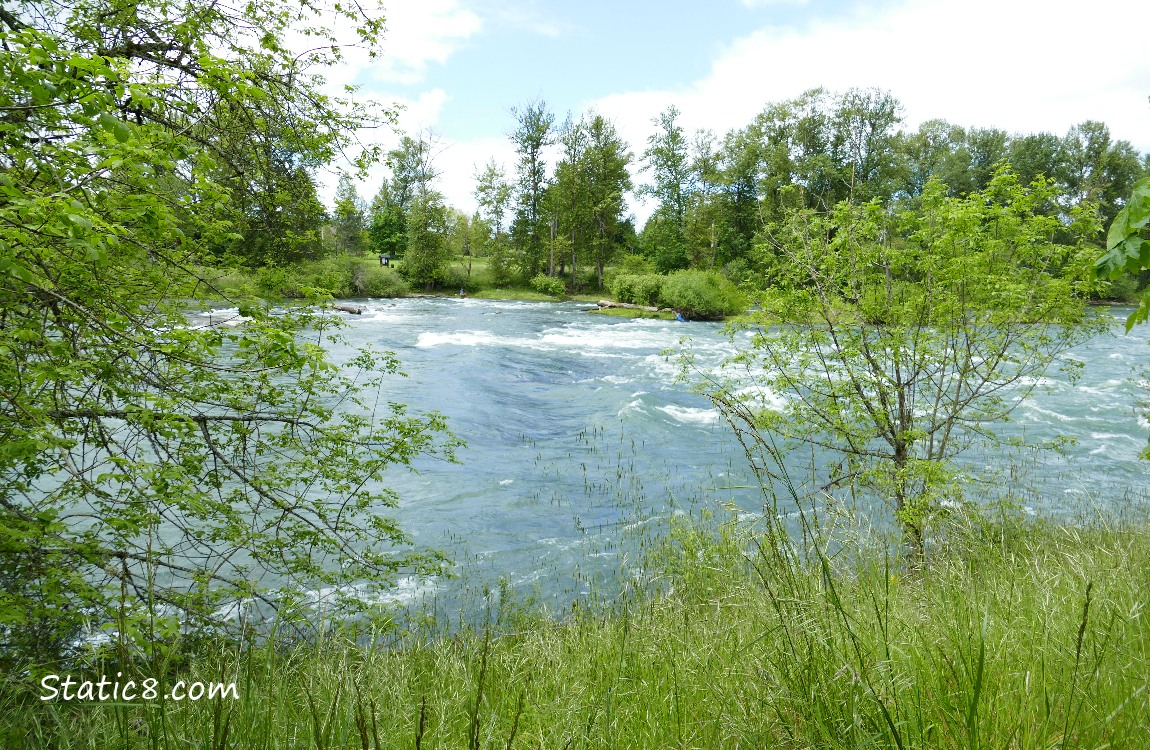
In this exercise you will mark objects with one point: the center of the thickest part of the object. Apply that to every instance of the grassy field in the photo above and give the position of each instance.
(1015, 635)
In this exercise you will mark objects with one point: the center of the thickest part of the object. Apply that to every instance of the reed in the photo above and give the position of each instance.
(1029, 637)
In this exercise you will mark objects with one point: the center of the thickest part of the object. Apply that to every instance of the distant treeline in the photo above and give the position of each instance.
(714, 195)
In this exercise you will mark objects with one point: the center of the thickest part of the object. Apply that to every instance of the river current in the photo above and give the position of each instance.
(578, 431)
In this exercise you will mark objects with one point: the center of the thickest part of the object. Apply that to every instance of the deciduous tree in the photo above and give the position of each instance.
(158, 471)
(891, 344)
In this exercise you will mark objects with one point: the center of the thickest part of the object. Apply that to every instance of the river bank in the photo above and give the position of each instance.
(1018, 633)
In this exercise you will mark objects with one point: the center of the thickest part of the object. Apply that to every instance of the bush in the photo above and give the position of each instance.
(332, 275)
(549, 285)
(635, 264)
(586, 279)
(455, 278)
(277, 281)
(373, 281)
(638, 289)
(702, 295)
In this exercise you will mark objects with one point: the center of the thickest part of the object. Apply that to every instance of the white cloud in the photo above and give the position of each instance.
(418, 33)
(1022, 66)
(458, 161)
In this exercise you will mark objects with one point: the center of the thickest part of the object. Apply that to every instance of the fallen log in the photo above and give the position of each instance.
(348, 309)
(629, 306)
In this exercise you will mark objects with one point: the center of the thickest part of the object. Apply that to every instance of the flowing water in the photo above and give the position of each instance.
(576, 429)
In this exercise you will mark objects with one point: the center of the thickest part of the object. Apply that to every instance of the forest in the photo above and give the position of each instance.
(713, 195)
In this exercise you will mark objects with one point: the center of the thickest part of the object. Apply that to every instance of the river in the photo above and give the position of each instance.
(577, 432)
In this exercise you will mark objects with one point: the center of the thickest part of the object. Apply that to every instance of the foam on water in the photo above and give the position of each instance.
(631, 406)
(429, 339)
(763, 396)
(1029, 404)
(690, 414)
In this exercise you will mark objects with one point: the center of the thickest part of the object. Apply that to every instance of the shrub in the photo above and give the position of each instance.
(372, 281)
(638, 289)
(586, 279)
(276, 281)
(635, 264)
(702, 295)
(332, 275)
(549, 285)
(455, 278)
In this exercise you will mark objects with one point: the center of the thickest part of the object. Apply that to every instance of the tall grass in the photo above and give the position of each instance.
(1035, 637)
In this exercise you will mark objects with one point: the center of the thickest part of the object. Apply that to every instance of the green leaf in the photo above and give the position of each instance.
(1141, 314)
(79, 221)
(13, 268)
(114, 125)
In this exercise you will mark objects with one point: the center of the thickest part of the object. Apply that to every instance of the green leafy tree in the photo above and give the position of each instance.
(387, 234)
(667, 158)
(428, 251)
(156, 472)
(904, 339)
(349, 223)
(534, 132)
(605, 164)
(566, 200)
(265, 162)
(494, 194)
(1095, 168)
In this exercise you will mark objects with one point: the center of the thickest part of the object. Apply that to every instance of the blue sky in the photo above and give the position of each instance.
(459, 66)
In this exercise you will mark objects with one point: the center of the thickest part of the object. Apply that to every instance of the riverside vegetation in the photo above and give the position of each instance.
(153, 476)
(1020, 633)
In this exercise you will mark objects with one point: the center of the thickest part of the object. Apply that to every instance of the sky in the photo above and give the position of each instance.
(459, 67)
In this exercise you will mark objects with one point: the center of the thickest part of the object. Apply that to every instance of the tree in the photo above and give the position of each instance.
(158, 472)
(863, 143)
(903, 338)
(605, 164)
(423, 209)
(493, 193)
(265, 163)
(350, 226)
(668, 160)
(566, 200)
(427, 248)
(532, 134)
(388, 231)
(1095, 168)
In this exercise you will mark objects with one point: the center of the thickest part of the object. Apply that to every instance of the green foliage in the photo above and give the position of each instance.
(1128, 249)
(501, 263)
(373, 281)
(350, 226)
(632, 263)
(427, 251)
(455, 278)
(545, 284)
(1022, 631)
(156, 474)
(662, 240)
(638, 289)
(702, 295)
(532, 134)
(387, 234)
(904, 338)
